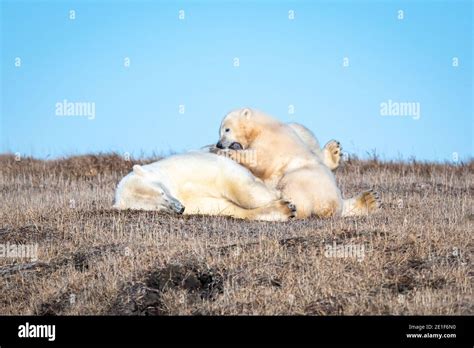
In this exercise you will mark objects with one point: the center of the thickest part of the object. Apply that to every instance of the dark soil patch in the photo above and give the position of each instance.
(325, 306)
(27, 234)
(55, 305)
(145, 298)
(407, 276)
(80, 259)
(208, 283)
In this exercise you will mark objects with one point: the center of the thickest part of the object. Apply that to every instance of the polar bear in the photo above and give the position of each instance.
(330, 154)
(285, 162)
(199, 182)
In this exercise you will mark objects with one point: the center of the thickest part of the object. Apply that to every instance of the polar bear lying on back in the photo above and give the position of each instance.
(286, 161)
(201, 183)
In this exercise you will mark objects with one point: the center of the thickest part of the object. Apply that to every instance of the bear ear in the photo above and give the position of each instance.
(246, 112)
(138, 170)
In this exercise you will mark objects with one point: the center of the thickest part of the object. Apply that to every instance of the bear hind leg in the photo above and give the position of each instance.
(363, 204)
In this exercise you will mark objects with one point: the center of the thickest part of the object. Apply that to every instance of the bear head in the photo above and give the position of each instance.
(238, 129)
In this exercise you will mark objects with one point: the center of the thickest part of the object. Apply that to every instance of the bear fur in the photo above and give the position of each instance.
(330, 154)
(286, 162)
(200, 182)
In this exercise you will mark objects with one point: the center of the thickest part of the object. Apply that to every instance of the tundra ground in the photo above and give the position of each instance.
(412, 257)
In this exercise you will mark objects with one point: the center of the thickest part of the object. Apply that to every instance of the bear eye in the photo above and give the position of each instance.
(227, 130)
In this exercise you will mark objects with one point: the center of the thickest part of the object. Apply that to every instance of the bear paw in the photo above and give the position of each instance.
(370, 200)
(332, 154)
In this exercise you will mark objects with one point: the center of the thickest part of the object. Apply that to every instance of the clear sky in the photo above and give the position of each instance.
(345, 69)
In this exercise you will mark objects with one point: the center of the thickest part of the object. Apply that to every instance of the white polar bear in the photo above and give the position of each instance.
(330, 154)
(200, 182)
(286, 162)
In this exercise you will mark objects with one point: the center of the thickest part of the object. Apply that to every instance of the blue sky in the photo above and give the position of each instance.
(283, 62)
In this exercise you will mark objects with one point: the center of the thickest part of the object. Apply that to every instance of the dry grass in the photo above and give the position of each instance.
(92, 260)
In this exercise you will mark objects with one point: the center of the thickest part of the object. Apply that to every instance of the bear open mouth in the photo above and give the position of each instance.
(236, 146)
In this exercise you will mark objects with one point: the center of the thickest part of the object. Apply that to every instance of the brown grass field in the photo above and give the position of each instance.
(414, 256)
